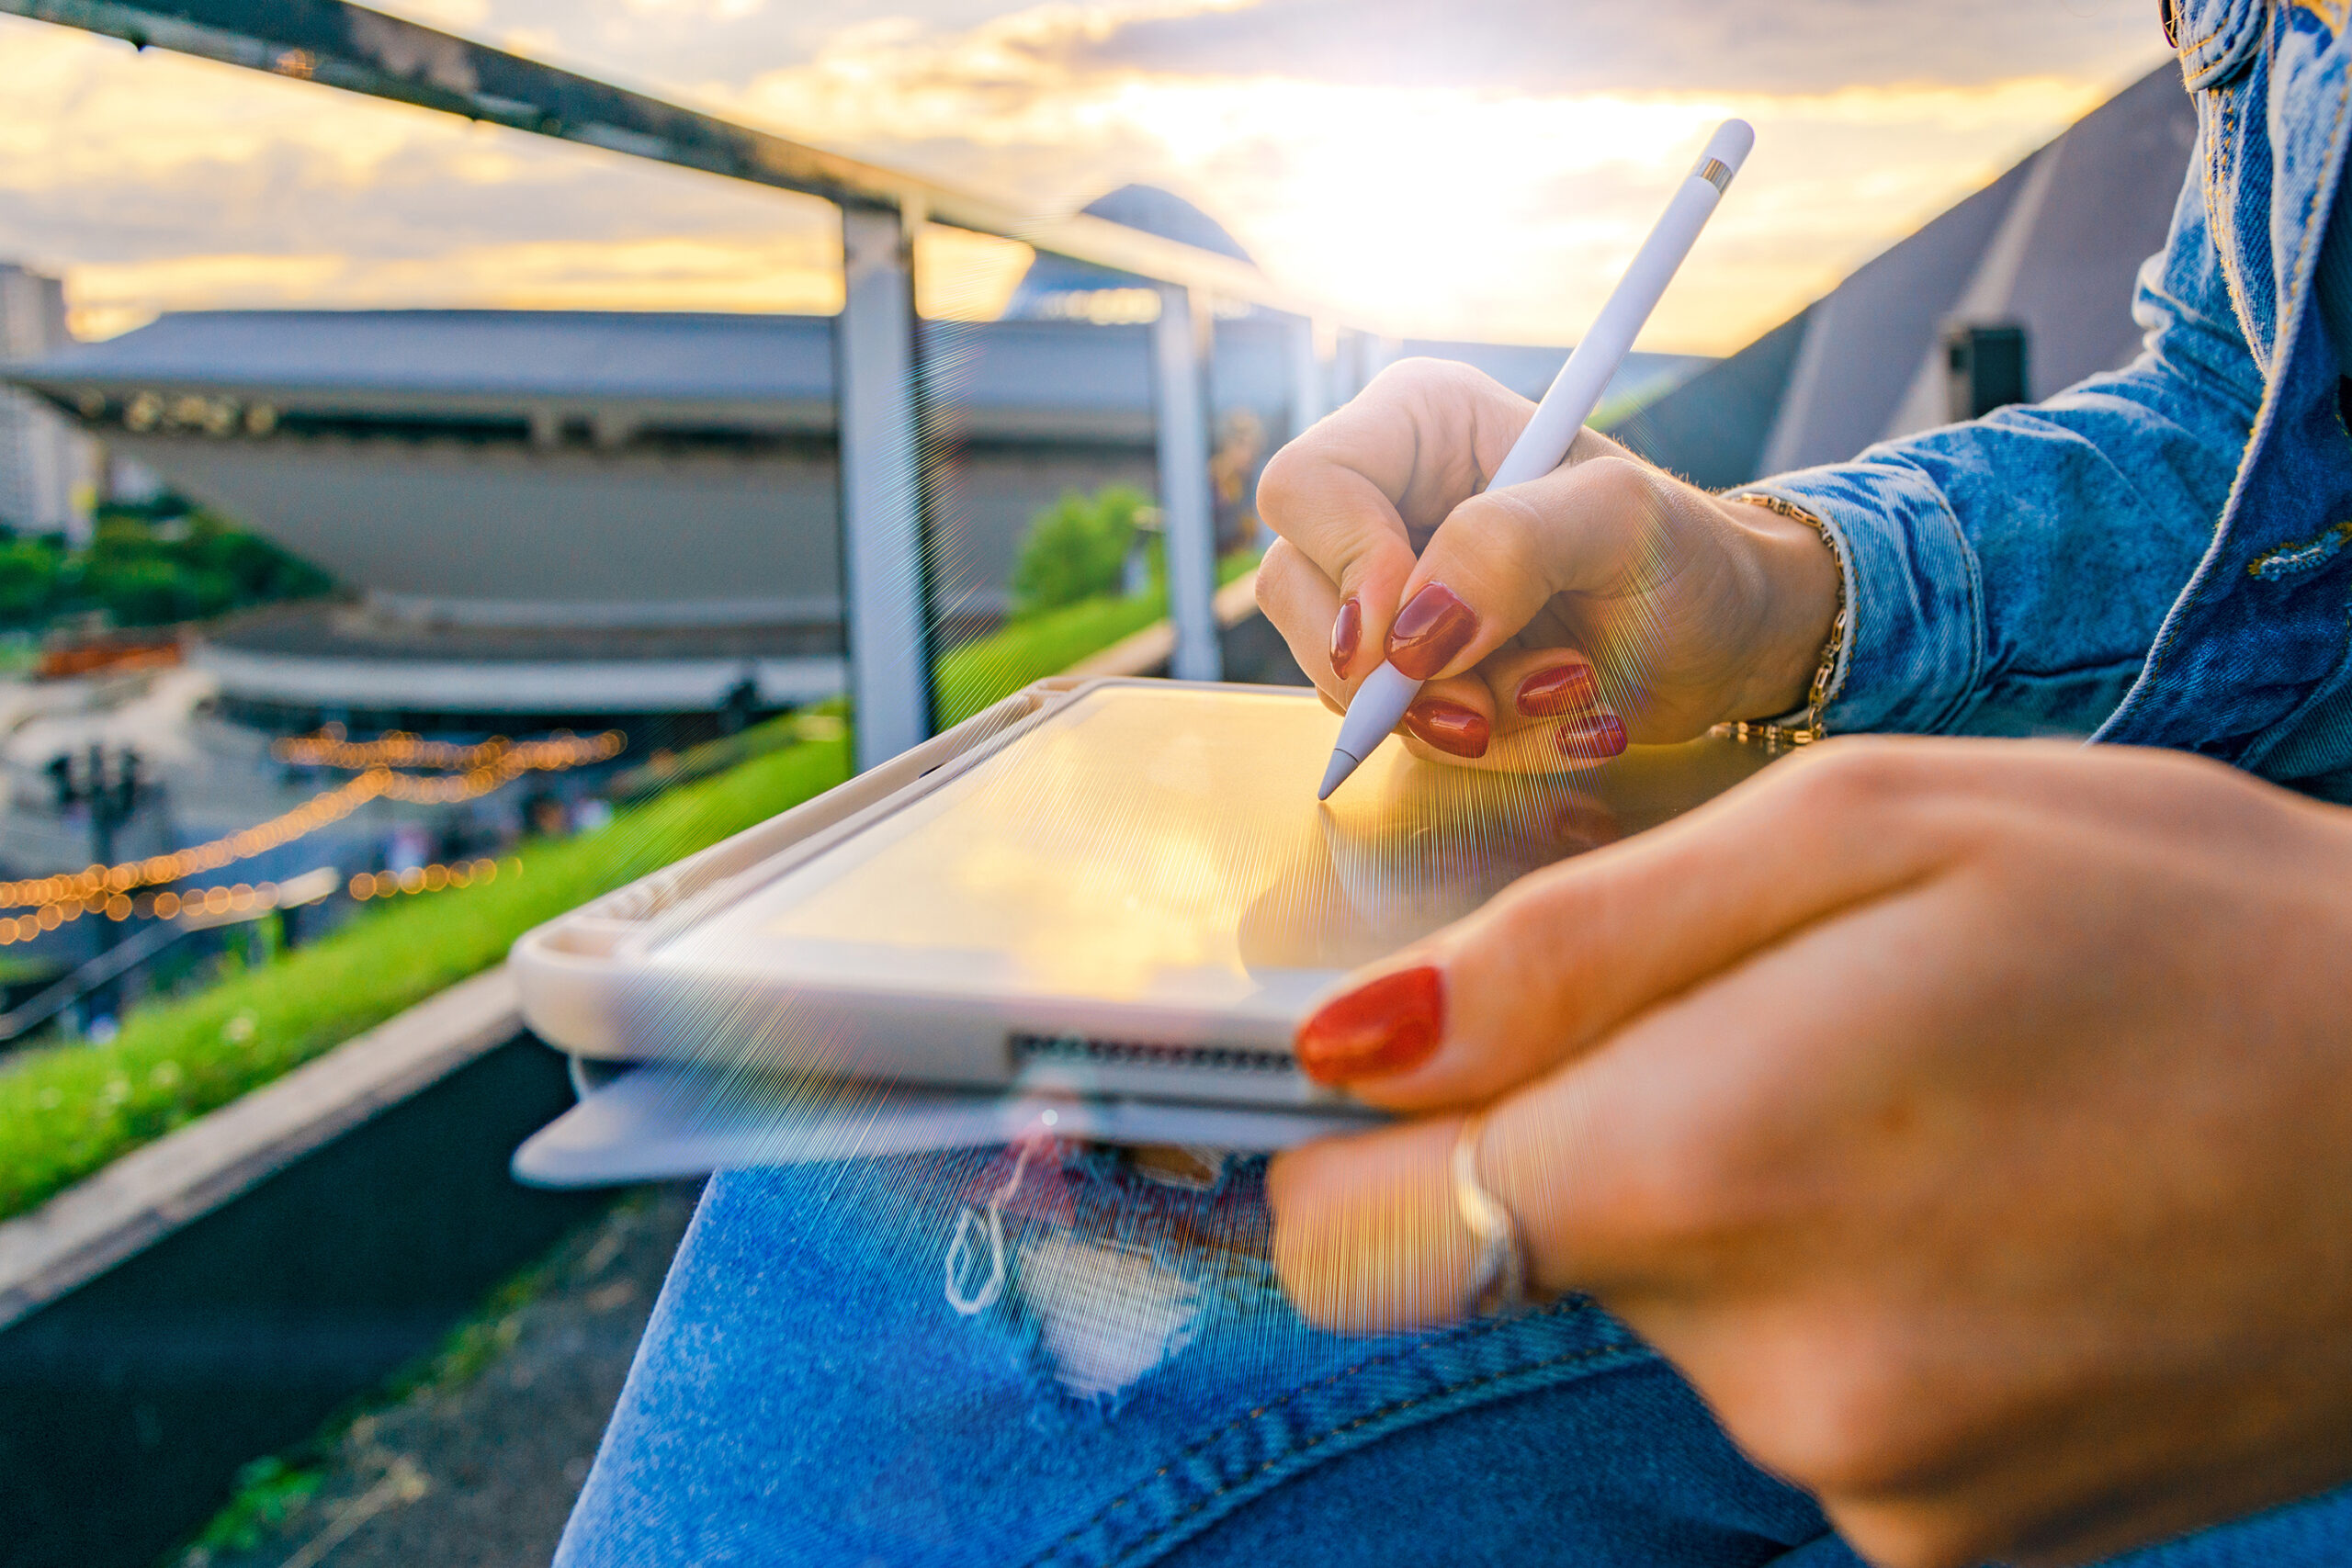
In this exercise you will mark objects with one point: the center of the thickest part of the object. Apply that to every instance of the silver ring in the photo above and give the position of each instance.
(1498, 1283)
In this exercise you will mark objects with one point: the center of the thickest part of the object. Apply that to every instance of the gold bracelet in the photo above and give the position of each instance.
(1777, 736)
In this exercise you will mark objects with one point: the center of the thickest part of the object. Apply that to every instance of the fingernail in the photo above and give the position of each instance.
(1347, 631)
(1450, 727)
(1593, 736)
(1431, 629)
(1387, 1026)
(1564, 688)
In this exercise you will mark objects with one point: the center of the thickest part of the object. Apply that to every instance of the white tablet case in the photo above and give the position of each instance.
(1094, 895)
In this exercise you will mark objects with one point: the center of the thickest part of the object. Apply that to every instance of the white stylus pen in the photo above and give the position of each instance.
(1380, 703)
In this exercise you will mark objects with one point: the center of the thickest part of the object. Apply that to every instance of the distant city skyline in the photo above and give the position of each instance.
(1469, 170)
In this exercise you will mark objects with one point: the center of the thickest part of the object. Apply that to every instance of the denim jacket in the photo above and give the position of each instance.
(2157, 555)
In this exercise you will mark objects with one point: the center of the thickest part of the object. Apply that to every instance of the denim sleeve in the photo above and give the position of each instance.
(2008, 576)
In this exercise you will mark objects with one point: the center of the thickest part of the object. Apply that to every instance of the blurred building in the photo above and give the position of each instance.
(552, 517)
(2017, 293)
(567, 517)
(46, 465)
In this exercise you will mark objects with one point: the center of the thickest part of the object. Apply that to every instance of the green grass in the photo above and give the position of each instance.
(18, 969)
(994, 667)
(68, 1110)
(666, 770)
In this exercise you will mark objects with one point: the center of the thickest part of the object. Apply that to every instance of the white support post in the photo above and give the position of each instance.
(883, 596)
(1180, 357)
(1361, 357)
(1310, 376)
(1354, 360)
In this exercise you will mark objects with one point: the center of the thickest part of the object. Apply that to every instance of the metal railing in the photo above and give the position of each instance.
(886, 601)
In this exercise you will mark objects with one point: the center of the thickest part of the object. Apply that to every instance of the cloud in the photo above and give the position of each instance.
(1785, 46)
(1471, 169)
(158, 182)
(675, 45)
(449, 16)
(699, 10)
(1445, 206)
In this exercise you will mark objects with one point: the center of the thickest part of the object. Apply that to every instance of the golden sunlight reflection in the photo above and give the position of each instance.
(1424, 209)
(963, 276)
(1163, 845)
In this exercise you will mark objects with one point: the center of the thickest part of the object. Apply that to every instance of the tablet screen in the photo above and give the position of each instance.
(1163, 845)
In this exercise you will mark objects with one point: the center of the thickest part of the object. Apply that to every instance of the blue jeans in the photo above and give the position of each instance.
(838, 1372)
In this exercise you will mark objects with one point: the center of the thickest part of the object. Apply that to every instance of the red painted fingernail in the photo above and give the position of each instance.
(1390, 1026)
(1431, 629)
(1347, 631)
(1451, 728)
(1593, 736)
(1564, 688)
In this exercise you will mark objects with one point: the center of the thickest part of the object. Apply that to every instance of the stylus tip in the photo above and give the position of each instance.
(1336, 774)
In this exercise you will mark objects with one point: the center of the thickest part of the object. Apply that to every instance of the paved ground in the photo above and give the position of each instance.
(478, 1467)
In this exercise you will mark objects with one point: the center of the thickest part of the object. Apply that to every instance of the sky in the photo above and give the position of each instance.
(1457, 168)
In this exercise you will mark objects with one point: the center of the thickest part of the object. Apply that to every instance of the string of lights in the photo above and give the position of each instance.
(100, 881)
(243, 898)
(488, 776)
(426, 878)
(400, 748)
(510, 762)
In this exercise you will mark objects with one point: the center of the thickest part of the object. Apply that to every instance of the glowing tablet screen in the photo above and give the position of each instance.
(1164, 845)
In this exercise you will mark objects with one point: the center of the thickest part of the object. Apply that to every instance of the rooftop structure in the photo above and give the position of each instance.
(569, 515)
(2049, 252)
(1057, 288)
(579, 517)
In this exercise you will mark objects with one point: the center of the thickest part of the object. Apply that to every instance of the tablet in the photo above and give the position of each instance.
(1112, 887)
(662, 1121)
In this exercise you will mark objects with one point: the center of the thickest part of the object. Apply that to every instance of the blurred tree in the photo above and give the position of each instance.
(1076, 548)
(256, 570)
(149, 566)
(29, 569)
(136, 590)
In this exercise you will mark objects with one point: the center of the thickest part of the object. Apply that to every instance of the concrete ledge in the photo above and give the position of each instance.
(154, 1190)
(618, 686)
(214, 1296)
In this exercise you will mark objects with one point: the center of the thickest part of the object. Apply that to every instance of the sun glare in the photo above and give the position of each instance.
(1425, 210)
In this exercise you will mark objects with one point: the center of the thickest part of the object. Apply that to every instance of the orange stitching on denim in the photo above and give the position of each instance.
(2167, 634)
(2330, 12)
(2195, 44)
(2293, 560)
(2221, 217)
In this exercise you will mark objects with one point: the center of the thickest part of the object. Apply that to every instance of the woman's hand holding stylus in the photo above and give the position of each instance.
(1971, 1122)
(1605, 603)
